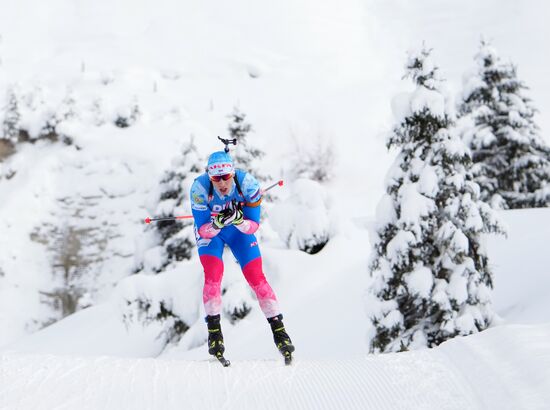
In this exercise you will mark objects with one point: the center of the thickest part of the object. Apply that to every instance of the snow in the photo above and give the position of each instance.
(420, 281)
(399, 245)
(327, 69)
(521, 292)
(392, 318)
(428, 182)
(95, 331)
(430, 100)
(401, 106)
(502, 368)
(414, 204)
(385, 211)
(458, 287)
(304, 218)
(406, 104)
(460, 242)
(177, 288)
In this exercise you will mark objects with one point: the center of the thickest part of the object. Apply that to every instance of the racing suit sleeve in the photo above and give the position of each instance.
(251, 209)
(201, 212)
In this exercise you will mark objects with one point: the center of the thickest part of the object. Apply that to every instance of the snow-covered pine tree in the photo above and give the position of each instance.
(60, 111)
(66, 112)
(175, 239)
(511, 160)
(12, 117)
(431, 279)
(165, 243)
(33, 114)
(246, 155)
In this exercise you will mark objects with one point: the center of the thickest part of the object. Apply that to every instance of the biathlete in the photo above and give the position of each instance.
(226, 208)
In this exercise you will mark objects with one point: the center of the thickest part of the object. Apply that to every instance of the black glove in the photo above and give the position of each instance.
(239, 217)
(233, 214)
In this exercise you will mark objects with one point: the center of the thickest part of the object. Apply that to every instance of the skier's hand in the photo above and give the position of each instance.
(223, 219)
(230, 215)
(239, 217)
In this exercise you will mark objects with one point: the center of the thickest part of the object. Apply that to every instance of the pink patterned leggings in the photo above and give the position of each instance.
(254, 275)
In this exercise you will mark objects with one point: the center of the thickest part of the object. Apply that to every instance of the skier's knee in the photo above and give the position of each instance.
(213, 268)
(253, 272)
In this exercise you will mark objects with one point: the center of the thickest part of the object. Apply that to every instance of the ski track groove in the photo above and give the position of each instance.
(40, 379)
(111, 383)
(245, 390)
(351, 402)
(381, 390)
(464, 374)
(91, 378)
(227, 401)
(67, 379)
(156, 380)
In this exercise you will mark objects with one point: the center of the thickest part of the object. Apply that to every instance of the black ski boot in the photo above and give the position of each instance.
(281, 338)
(215, 339)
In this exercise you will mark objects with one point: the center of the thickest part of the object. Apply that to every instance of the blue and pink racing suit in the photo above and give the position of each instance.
(205, 200)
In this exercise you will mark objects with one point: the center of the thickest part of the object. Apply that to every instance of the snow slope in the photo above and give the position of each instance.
(503, 368)
(522, 266)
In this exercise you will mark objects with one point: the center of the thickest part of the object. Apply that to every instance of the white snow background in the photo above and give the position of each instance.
(302, 71)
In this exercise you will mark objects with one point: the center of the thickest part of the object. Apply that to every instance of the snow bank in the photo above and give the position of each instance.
(95, 331)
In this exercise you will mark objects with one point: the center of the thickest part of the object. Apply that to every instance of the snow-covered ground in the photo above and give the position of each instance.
(301, 70)
(502, 368)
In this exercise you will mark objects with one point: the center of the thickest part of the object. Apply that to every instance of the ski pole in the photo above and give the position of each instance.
(280, 183)
(168, 218)
(173, 218)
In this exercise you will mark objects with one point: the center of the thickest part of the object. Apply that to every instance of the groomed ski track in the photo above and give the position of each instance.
(506, 367)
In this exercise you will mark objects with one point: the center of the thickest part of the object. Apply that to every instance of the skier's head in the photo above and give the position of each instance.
(219, 163)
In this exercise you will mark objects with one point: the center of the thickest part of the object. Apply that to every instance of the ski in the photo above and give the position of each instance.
(222, 360)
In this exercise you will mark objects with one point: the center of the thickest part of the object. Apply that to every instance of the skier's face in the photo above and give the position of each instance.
(223, 184)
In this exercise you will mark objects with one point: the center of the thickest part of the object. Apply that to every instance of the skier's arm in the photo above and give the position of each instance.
(208, 230)
(203, 221)
(201, 212)
(251, 215)
(251, 208)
